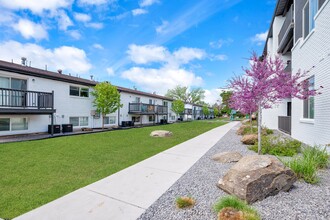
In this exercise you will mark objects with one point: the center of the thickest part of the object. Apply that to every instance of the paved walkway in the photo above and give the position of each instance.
(127, 194)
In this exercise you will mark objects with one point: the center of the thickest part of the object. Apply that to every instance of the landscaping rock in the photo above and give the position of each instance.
(161, 133)
(255, 177)
(240, 130)
(249, 139)
(230, 214)
(227, 157)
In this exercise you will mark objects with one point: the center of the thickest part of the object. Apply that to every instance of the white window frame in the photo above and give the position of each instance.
(11, 124)
(79, 121)
(310, 17)
(79, 91)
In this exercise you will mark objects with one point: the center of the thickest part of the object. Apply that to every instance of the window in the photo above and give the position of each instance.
(106, 120)
(13, 124)
(109, 120)
(309, 12)
(4, 124)
(321, 3)
(112, 119)
(151, 118)
(137, 100)
(136, 119)
(77, 91)
(83, 121)
(308, 111)
(74, 91)
(74, 121)
(4, 82)
(150, 101)
(18, 124)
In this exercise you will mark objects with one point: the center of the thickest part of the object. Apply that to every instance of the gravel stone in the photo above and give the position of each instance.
(302, 202)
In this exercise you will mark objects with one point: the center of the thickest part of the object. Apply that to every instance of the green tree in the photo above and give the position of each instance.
(107, 99)
(178, 107)
(225, 102)
(216, 112)
(194, 96)
(206, 110)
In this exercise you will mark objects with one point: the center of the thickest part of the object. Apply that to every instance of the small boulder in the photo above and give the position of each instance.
(227, 157)
(240, 130)
(255, 177)
(161, 133)
(249, 139)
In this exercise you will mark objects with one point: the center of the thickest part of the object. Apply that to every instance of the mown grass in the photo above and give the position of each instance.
(36, 172)
(237, 204)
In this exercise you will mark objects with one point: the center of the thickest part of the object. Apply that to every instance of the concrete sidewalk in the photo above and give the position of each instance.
(127, 194)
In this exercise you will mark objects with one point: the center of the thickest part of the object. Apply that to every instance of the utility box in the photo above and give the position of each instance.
(67, 128)
(56, 129)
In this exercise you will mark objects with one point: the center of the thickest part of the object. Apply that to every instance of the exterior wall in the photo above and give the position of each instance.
(127, 98)
(314, 51)
(185, 116)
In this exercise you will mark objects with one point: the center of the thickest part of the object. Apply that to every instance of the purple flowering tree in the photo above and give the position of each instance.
(264, 84)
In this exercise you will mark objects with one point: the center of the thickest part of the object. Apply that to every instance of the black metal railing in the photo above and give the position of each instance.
(284, 124)
(14, 98)
(286, 27)
(142, 108)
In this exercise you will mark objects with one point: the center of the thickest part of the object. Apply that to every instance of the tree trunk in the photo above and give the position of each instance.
(103, 115)
(259, 129)
(251, 122)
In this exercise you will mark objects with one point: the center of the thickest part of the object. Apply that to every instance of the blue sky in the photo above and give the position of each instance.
(152, 45)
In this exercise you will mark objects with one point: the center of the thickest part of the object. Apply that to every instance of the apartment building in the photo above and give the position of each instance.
(31, 99)
(299, 34)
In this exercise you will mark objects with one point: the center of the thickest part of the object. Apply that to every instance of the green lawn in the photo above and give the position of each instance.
(36, 172)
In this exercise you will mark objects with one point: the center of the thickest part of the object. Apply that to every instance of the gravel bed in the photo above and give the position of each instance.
(304, 201)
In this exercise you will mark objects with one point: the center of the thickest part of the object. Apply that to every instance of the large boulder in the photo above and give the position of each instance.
(255, 177)
(249, 139)
(241, 129)
(227, 157)
(161, 133)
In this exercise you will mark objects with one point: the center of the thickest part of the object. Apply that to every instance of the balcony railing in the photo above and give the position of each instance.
(284, 124)
(285, 36)
(147, 109)
(23, 99)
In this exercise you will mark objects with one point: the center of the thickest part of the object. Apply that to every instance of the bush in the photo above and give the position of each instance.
(246, 129)
(275, 146)
(233, 202)
(185, 202)
(306, 166)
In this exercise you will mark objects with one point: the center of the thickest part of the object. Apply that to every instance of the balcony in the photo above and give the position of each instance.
(285, 36)
(14, 101)
(284, 124)
(187, 111)
(147, 109)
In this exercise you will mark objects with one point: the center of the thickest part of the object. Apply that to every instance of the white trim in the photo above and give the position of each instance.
(296, 44)
(306, 39)
(321, 9)
(306, 120)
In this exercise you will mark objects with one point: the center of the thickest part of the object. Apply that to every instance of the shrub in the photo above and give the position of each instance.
(278, 147)
(306, 166)
(185, 202)
(233, 202)
(245, 129)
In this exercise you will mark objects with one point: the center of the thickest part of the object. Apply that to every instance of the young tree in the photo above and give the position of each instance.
(194, 96)
(216, 112)
(264, 84)
(107, 99)
(178, 107)
(205, 110)
(225, 96)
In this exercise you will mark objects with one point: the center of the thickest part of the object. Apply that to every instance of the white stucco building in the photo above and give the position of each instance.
(30, 98)
(299, 33)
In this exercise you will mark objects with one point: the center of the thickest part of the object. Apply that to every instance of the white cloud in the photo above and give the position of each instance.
(63, 20)
(96, 2)
(212, 96)
(36, 6)
(260, 38)
(221, 42)
(139, 11)
(185, 55)
(98, 46)
(110, 71)
(82, 17)
(161, 29)
(147, 53)
(161, 79)
(29, 29)
(75, 34)
(171, 71)
(69, 59)
(219, 57)
(146, 3)
(94, 25)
